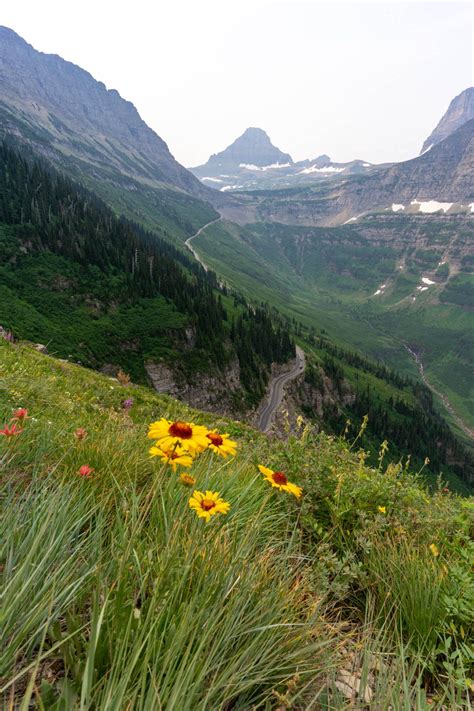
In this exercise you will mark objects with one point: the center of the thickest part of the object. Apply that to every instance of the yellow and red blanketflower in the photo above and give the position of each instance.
(169, 434)
(186, 479)
(208, 504)
(20, 414)
(11, 430)
(221, 444)
(280, 481)
(85, 471)
(175, 456)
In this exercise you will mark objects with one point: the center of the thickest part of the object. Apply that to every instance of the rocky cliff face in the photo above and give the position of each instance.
(252, 162)
(220, 393)
(73, 118)
(460, 110)
(252, 147)
(445, 174)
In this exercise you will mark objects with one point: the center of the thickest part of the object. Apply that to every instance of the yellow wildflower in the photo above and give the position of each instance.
(382, 509)
(187, 479)
(280, 481)
(434, 549)
(221, 444)
(168, 434)
(208, 504)
(173, 457)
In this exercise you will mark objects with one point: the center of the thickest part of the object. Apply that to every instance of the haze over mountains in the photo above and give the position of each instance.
(253, 162)
(274, 241)
(62, 112)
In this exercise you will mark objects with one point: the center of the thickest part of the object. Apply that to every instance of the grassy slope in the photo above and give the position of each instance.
(326, 278)
(135, 603)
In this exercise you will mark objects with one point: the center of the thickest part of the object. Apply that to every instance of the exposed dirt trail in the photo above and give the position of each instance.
(191, 248)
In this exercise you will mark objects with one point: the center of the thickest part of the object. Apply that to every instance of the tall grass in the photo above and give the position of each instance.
(114, 595)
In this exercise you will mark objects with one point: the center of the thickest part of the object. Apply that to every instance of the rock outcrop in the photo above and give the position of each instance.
(460, 110)
(76, 121)
(253, 147)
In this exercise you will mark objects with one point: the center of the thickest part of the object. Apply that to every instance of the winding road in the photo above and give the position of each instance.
(276, 390)
(191, 248)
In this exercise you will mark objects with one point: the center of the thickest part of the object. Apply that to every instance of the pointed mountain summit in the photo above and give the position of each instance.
(460, 110)
(253, 147)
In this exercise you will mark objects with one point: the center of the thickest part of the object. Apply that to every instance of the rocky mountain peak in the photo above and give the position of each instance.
(253, 147)
(460, 110)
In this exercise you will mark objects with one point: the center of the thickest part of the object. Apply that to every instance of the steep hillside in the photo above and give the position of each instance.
(280, 597)
(445, 175)
(460, 110)
(106, 293)
(396, 287)
(96, 136)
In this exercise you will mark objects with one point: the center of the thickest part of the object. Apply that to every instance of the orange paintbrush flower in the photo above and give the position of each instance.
(85, 471)
(20, 414)
(11, 430)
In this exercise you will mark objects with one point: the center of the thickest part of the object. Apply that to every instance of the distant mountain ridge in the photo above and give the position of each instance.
(252, 147)
(460, 110)
(96, 136)
(440, 179)
(253, 162)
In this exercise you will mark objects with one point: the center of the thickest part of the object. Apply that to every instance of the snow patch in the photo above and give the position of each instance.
(326, 169)
(471, 205)
(380, 289)
(353, 219)
(366, 165)
(230, 187)
(429, 206)
(213, 180)
(396, 207)
(273, 166)
(425, 280)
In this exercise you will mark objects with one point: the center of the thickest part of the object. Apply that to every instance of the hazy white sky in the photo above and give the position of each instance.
(352, 79)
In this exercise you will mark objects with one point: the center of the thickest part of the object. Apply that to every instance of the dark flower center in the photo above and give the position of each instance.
(181, 430)
(280, 478)
(216, 439)
(207, 504)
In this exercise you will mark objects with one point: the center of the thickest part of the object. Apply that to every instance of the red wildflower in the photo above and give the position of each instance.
(20, 414)
(85, 471)
(80, 433)
(11, 430)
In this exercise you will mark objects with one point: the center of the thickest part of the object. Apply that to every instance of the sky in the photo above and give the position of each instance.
(366, 80)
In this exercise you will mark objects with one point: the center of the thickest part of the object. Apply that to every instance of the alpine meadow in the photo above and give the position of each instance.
(236, 400)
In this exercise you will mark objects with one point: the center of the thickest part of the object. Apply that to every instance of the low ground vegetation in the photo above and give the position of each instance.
(320, 583)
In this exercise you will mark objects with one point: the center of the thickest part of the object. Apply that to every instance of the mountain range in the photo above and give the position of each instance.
(252, 162)
(127, 293)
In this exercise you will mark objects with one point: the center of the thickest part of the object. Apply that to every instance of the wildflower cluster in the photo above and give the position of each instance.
(178, 443)
(16, 425)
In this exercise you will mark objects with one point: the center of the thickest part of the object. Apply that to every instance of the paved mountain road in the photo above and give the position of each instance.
(191, 248)
(276, 391)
